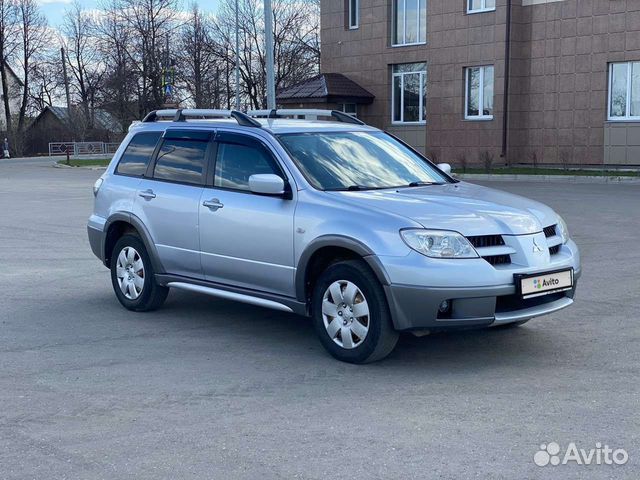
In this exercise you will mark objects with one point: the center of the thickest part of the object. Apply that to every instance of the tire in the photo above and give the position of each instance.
(335, 318)
(131, 267)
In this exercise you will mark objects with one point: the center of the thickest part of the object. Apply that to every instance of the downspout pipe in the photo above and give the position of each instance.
(507, 61)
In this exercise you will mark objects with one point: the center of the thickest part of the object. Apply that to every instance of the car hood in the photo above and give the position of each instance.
(463, 207)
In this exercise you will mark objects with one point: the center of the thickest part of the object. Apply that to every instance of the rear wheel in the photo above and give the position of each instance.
(351, 314)
(132, 276)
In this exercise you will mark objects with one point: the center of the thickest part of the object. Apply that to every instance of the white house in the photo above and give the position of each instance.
(14, 93)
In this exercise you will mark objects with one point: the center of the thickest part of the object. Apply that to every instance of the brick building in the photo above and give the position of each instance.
(439, 71)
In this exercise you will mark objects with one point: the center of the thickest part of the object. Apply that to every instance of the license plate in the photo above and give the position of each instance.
(544, 283)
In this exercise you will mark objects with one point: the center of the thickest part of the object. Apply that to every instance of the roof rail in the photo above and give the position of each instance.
(307, 114)
(181, 115)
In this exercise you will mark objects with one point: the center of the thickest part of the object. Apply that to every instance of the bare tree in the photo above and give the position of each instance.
(33, 40)
(116, 58)
(296, 51)
(78, 36)
(200, 63)
(45, 86)
(120, 78)
(151, 24)
(8, 44)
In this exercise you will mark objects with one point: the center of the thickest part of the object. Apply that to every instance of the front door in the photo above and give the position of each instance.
(168, 202)
(246, 239)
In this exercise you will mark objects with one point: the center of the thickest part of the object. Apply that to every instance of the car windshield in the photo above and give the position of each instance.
(358, 161)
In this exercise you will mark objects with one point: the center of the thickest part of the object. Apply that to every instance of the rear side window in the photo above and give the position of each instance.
(235, 163)
(136, 157)
(181, 161)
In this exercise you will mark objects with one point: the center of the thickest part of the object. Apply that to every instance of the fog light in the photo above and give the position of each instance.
(444, 307)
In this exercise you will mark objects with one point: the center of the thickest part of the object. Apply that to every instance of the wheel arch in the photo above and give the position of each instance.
(120, 224)
(327, 249)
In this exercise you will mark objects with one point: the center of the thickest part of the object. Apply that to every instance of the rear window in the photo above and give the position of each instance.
(136, 157)
(181, 161)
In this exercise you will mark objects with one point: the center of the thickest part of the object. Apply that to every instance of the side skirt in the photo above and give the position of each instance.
(244, 295)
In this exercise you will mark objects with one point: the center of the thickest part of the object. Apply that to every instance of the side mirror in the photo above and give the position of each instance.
(445, 167)
(266, 184)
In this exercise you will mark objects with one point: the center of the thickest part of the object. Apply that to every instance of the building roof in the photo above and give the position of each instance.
(324, 88)
(13, 74)
(103, 119)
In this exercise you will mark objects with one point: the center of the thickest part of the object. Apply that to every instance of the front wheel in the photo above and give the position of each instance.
(133, 278)
(351, 315)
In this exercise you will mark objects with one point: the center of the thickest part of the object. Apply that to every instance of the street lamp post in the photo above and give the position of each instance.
(268, 35)
(237, 59)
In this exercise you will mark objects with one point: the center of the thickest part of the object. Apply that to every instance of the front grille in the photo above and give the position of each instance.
(554, 250)
(550, 231)
(486, 241)
(498, 260)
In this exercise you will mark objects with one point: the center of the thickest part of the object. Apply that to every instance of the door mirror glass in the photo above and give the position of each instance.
(266, 184)
(445, 167)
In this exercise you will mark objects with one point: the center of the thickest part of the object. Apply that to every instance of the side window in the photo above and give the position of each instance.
(136, 157)
(181, 161)
(235, 163)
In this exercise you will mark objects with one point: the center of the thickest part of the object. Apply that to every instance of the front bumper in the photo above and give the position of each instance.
(416, 308)
(479, 293)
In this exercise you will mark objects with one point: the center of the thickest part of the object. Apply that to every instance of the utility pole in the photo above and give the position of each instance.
(237, 58)
(268, 35)
(66, 79)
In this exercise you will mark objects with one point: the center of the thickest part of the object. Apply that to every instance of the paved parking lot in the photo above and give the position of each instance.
(207, 388)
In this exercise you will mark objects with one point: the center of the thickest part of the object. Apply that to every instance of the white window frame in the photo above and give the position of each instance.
(628, 117)
(423, 86)
(467, 72)
(482, 9)
(354, 113)
(354, 16)
(404, 24)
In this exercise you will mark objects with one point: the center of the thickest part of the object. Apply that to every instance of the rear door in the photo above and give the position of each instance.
(246, 239)
(168, 197)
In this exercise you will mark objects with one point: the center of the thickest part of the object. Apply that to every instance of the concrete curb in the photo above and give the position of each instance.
(549, 178)
(62, 165)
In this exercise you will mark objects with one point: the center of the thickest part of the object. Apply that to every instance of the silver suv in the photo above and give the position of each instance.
(313, 212)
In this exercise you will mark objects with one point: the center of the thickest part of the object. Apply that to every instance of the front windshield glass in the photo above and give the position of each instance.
(358, 161)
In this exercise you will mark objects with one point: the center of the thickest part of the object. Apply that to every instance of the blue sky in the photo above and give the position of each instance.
(54, 9)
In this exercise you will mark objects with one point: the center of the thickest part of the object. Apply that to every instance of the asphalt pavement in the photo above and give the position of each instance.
(208, 388)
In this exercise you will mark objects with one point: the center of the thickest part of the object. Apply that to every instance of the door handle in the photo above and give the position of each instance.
(213, 204)
(147, 194)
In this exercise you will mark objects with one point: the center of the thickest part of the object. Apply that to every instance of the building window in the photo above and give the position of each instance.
(409, 22)
(354, 14)
(624, 91)
(479, 6)
(409, 93)
(479, 93)
(349, 109)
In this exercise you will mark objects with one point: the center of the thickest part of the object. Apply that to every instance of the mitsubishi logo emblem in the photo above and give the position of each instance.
(536, 248)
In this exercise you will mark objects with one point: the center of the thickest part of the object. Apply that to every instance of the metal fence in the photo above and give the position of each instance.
(82, 148)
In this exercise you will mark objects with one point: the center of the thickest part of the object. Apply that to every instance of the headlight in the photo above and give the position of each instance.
(563, 230)
(96, 186)
(438, 243)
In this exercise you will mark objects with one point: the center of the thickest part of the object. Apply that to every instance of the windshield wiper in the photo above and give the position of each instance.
(355, 188)
(422, 184)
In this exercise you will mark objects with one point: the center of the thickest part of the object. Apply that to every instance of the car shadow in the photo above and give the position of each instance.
(287, 335)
